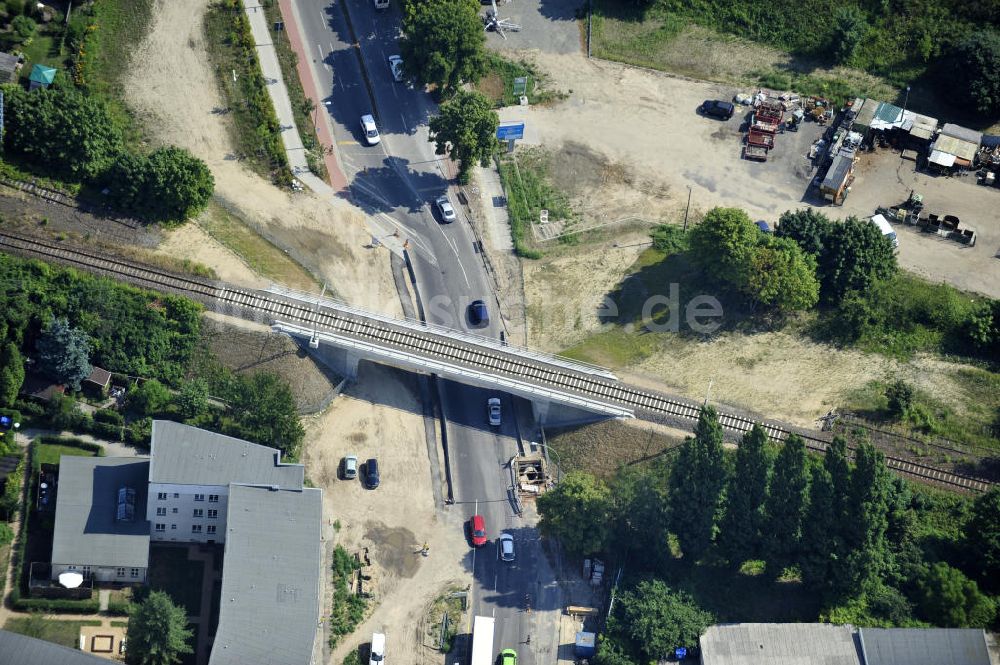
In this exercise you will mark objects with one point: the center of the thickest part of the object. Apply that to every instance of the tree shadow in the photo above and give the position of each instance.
(396, 185)
(563, 10)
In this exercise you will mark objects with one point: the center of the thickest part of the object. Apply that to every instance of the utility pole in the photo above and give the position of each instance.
(687, 209)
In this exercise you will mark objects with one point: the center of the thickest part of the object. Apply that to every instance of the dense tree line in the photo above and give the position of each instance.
(841, 524)
(74, 135)
(443, 44)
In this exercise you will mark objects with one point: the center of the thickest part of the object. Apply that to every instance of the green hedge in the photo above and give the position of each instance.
(95, 448)
(118, 608)
(52, 605)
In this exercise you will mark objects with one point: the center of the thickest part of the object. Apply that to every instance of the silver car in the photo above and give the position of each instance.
(350, 467)
(506, 544)
(444, 207)
(396, 67)
(369, 129)
(493, 411)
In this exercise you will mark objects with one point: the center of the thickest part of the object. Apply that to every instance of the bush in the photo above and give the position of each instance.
(900, 398)
(109, 416)
(149, 398)
(669, 239)
(23, 27)
(118, 608)
(73, 443)
(168, 185)
(57, 606)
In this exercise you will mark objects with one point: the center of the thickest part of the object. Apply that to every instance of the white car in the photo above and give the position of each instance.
(445, 208)
(369, 129)
(377, 654)
(396, 67)
(506, 544)
(493, 408)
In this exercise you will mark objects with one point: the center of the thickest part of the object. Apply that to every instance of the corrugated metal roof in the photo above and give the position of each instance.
(889, 113)
(24, 650)
(86, 531)
(941, 158)
(8, 62)
(955, 146)
(924, 646)
(866, 114)
(270, 607)
(838, 172)
(779, 644)
(963, 133)
(185, 455)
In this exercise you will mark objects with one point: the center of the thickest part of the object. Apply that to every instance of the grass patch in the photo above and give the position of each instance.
(529, 191)
(603, 448)
(499, 82)
(255, 126)
(348, 608)
(172, 572)
(66, 633)
(260, 255)
(443, 605)
(303, 108)
(48, 453)
(119, 624)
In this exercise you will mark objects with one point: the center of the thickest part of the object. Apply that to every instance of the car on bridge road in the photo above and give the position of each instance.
(493, 411)
(445, 209)
(477, 530)
(479, 315)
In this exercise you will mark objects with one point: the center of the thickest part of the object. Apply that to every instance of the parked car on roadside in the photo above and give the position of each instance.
(477, 530)
(506, 546)
(445, 209)
(350, 468)
(369, 130)
(396, 67)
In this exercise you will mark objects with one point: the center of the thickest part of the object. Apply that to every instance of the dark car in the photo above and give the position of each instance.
(716, 109)
(371, 473)
(479, 315)
(763, 226)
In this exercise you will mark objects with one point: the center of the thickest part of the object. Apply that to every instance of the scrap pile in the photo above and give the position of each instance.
(768, 119)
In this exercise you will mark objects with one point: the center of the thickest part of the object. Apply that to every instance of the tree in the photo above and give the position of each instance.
(11, 373)
(22, 27)
(262, 409)
(850, 25)
(149, 398)
(821, 546)
(64, 353)
(780, 276)
(169, 184)
(982, 538)
(899, 395)
(947, 598)
(867, 520)
(443, 43)
(466, 130)
(577, 512)
(742, 523)
(660, 619)
(71, 133)
(808, 228)
(856, 256)
(697, 479)
(192, 400)
(786, 505)
(157, 631)
(723, 244)
(640, 513)
(973, 71)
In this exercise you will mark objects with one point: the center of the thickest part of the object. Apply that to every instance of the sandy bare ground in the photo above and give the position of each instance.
(380, 416)
(172, 88)
(190, 242)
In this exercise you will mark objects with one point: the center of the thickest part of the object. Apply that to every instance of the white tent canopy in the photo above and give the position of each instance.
(70, 580)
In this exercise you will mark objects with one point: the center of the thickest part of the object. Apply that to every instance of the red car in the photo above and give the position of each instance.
(477, 527)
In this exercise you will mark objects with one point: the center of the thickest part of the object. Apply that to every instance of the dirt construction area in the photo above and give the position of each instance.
(647, 122)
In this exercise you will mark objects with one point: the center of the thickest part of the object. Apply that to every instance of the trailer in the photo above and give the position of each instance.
(764, 140)
(755, 153)
(482, 641)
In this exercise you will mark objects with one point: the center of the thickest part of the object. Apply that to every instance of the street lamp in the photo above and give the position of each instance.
(907, 98)
(556, 464)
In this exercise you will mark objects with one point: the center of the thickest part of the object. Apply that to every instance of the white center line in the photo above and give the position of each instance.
(320, 49)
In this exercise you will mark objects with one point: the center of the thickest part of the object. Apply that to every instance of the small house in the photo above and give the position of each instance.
(838, 178)
(98, 383)
(42, 76)
(9, 64)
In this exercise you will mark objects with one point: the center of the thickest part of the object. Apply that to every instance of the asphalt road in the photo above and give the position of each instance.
(397, 179)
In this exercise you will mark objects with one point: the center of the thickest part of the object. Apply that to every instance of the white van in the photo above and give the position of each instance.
(381, 4)
(377, 653)
(883, 225)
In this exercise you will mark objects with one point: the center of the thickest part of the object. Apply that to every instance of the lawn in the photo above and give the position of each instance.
(172, 572)
(66, 633)
(49, 453)
(499, 82)
(602, 448)
(263, 257)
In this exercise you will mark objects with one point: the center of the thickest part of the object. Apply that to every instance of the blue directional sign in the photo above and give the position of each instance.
(510, 131)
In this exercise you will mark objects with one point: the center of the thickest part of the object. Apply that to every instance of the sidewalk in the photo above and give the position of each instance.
(278, 93)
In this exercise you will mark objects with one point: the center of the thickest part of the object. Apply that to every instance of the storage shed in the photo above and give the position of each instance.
(8, 67)
(838, 178)
(955, 146)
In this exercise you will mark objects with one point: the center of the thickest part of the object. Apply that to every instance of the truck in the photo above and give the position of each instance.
(883, 225)
(482, 641)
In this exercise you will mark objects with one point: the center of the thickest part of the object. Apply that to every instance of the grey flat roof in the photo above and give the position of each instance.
(779, 644)
(24, 650)
(964, 133)
(269, 608)
(924, 646)
(185, 455)
(838, 172)
(86, 531)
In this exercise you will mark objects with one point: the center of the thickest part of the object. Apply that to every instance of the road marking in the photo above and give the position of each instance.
(320, 49)
(401, 116)
(347, 143)
(458, 258)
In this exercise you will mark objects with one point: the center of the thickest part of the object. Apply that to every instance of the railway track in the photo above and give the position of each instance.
(646, 404)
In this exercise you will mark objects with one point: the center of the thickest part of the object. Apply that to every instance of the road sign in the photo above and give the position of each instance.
(520, 85)
(510, 131)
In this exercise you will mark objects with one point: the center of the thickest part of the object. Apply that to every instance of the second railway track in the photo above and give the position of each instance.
(647, 404)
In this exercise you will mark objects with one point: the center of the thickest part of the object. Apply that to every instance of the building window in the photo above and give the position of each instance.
(195, 528)
(161, 496)
(199, 497)
(174, 511)
(160, 512)
(212, 514)
(134, 572)
(198, 512)
(86, 570)
(173, 527)
(120, 572)
(160, 528)
(176, 495)
(211, 528)
(213, 498)
(70, 567)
